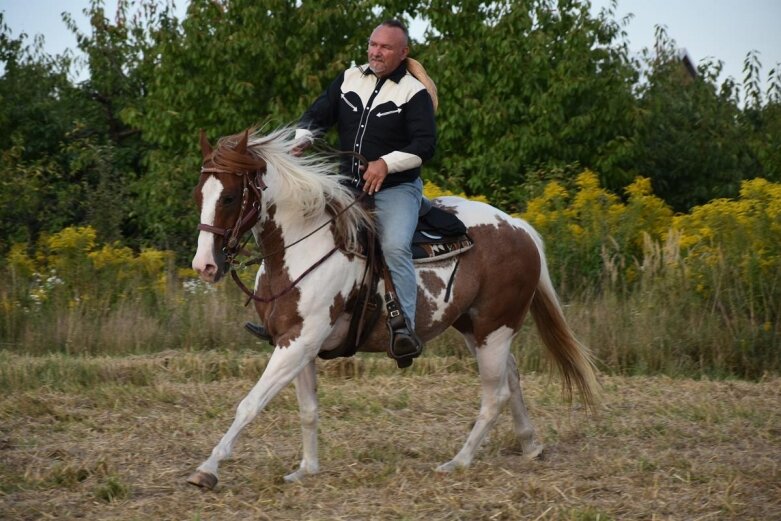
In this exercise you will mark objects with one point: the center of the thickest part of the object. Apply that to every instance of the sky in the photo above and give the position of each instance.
(722, 29)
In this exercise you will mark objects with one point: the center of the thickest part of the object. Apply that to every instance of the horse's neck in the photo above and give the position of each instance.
(279, 230)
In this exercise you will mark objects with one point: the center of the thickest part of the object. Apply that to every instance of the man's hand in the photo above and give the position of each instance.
(373, 176)
(298, 150)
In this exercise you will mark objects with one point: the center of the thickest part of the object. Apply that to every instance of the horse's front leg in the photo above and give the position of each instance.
(285, 364)
(306, 392)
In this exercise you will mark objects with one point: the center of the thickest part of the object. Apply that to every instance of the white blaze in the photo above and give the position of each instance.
(204, 255)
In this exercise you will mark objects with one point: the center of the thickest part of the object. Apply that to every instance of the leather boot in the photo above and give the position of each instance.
(406, 346)
(259, 331)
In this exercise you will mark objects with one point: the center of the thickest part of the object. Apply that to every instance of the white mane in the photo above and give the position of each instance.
(311, 183)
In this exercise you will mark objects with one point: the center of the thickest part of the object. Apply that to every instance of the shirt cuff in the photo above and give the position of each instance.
(304, 134)
(401, 161)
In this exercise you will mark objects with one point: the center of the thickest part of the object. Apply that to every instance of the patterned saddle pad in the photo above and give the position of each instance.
(439, 235)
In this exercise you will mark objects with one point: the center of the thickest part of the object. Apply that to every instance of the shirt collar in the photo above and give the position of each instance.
(396, 75)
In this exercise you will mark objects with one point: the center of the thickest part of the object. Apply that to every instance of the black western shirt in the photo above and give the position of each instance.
(390, 118)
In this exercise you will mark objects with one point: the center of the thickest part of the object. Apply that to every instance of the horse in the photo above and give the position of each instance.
(307, 224)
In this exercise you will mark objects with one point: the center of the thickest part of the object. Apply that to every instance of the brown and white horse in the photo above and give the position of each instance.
(255, 182)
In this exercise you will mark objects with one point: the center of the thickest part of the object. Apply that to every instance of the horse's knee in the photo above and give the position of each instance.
(308, 416)
(496, 398)
(502, 395)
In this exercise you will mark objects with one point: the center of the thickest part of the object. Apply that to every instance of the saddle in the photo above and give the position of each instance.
(439, 235)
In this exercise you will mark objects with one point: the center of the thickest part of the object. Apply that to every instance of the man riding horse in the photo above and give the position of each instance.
(386, 115)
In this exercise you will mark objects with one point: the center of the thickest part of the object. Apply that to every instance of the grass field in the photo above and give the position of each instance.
(115, 438)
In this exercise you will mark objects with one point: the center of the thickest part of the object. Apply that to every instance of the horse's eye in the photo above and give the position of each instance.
(227, 200)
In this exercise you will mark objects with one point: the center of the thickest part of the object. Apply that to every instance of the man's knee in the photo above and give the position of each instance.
(395, 250)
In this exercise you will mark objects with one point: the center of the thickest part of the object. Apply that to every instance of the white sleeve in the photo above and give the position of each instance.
(304, 134)
(401, 161)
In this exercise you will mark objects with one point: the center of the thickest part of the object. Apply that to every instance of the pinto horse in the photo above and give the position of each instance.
(306, 223)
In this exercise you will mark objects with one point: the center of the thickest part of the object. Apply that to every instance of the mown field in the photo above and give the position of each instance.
(115, 438)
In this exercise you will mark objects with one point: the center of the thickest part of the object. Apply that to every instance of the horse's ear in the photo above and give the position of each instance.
(241, 148)
(206, 148)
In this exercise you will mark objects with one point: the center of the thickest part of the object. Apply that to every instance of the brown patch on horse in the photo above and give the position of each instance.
(226, 213)
(432, 282)
(337, 308)
(280, 316)
(498, 301)
(464, 289)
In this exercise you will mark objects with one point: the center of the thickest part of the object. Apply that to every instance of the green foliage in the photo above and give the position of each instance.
(531, 91)
(688, 138)
(66, 161)
(524, 85)
(223, 69)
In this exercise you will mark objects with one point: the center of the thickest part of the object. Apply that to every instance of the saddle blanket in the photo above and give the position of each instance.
(439, 235)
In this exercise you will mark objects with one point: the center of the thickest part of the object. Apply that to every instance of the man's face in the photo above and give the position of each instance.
(387, 49)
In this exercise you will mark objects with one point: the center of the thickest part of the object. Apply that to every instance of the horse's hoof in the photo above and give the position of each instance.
(450, 466)
(532, 450)
(204, 480)
(295, 477)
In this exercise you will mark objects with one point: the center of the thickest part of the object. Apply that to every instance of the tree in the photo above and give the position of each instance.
(68, 158)
(526, 85)
(37, 103)
(688, 138)
(762, 116)
(226, 67)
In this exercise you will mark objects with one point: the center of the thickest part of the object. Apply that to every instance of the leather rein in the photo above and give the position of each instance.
(232, 236)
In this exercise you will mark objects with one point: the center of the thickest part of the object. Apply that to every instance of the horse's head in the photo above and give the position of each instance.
(228, 197)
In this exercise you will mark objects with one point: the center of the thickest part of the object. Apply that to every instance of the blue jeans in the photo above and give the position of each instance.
(397, 210)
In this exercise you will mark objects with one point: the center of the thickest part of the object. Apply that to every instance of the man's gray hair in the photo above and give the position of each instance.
(393, 22)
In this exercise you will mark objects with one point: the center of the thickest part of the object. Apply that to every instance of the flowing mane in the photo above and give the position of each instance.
(311, 183)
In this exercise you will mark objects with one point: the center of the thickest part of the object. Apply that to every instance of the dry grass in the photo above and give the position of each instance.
(118, 447)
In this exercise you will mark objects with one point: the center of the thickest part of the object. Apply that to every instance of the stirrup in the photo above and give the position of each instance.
(404, 346)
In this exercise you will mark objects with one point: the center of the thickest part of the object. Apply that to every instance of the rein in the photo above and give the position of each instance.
(272, 298)
(231, 255)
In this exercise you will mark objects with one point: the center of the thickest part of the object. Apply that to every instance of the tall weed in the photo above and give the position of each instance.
(650, 292)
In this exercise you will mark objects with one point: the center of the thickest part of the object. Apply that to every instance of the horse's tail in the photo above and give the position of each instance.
(573, 359)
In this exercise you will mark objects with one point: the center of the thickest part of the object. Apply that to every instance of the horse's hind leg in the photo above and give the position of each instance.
(522, 424)
(306, 392)
(492, 359)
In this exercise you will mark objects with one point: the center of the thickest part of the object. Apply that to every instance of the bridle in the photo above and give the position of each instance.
(253, 183)
(231, 236)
